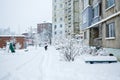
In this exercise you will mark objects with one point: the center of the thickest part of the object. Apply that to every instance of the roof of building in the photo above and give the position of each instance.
(12, 36)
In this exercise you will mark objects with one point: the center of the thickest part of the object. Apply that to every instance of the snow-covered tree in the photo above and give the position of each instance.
(68, 48)
(36, 39)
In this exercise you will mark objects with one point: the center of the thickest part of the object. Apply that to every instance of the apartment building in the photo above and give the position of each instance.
(58, 26)
(65, 18)
(100, 22)
(45, 32)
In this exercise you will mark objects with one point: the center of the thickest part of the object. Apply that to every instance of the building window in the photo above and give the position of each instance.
(55, 26)
(55, 14)
(55, 7)
(110, 30)
(55, 32)
(66, 10)
(60, 19)
(109, 3)
(84, 18)
(65, 16)
(69, 23)
(69, 0)
(61, 25)
(69, 18)
(69, 15)
(55, 20)
(85, 35)
(96, 11)
(61, 5)
(60, 32)
(85, 3)
(69, 4)
(69, 11)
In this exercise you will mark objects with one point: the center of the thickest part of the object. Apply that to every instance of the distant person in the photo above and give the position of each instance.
(11, 47)
(46, 46)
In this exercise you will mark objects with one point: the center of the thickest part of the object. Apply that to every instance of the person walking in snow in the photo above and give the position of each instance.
(46, 47)
(11, 47)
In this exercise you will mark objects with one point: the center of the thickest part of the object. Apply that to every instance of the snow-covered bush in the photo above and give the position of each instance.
(69, 49)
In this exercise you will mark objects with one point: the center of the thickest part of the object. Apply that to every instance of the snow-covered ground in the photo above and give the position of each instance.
(38, 64)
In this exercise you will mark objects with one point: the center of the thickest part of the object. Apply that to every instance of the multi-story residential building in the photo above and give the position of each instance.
(58, 26)
(71, 17)
(45, 32)
(65, 18)
(100, 22)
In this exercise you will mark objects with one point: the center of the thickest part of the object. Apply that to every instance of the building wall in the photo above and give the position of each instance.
(44, 31)
(112, 42)
(58, 19)
(76, 17)
(86, 39)
(105, 13)
(20, 40)
(109, 42)
(69, 13)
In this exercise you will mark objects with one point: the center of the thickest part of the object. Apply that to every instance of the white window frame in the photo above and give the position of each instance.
(98, 11)
(84, 18)
(110, 31)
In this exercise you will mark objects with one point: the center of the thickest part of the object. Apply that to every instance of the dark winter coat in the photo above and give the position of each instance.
(46, 47)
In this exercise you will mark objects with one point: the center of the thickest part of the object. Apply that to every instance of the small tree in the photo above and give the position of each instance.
(69, 49)
(36, 40)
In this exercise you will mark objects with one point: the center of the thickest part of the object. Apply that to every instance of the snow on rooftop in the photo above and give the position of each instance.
(12, 36)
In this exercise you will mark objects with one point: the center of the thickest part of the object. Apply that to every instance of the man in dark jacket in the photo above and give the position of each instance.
(46, 47)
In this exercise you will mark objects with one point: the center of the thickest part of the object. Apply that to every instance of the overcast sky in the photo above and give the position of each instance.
(21, 14)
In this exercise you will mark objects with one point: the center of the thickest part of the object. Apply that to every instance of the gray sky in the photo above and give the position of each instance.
(21, 14)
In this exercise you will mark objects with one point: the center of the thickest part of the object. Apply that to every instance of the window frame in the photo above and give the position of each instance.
(96, 7)
(85, 35)
(61, 25)
(84, 18)
(108, 6)
(55, 33)
(55, 27)
(110, 30)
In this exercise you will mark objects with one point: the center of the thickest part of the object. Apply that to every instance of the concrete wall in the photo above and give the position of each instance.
(112, 43)
(86, 41)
